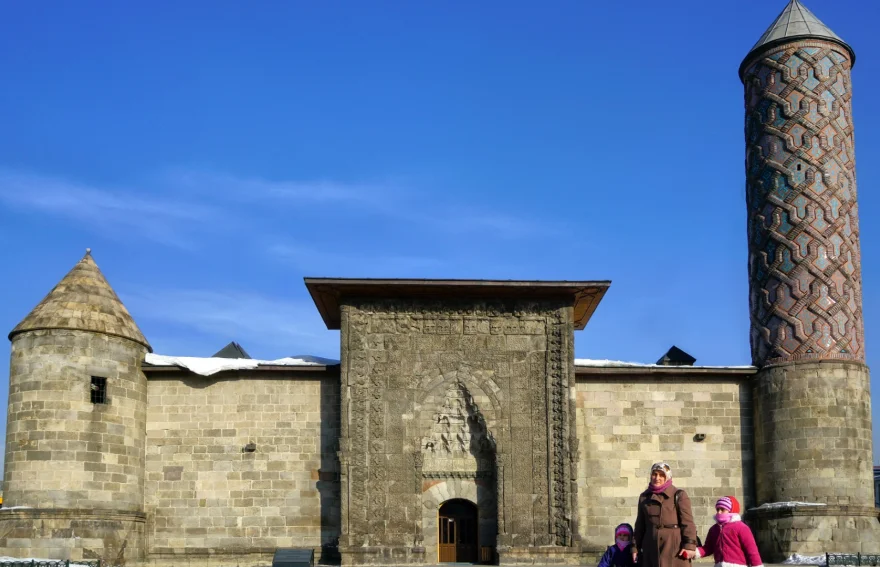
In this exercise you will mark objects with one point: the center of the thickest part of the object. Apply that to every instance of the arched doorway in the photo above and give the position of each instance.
(458, 522)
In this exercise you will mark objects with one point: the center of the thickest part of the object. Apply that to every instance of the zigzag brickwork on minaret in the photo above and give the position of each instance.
(804, 257)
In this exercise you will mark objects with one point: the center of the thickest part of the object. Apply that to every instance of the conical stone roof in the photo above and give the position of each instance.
(795, 22)
(83, 301)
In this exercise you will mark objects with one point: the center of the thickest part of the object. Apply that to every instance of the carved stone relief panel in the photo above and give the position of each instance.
(459, 440)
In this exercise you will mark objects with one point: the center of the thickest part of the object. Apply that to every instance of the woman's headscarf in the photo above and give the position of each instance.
(667, 472)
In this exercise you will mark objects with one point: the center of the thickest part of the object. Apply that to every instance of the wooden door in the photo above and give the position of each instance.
(447, 540)
(457, 524)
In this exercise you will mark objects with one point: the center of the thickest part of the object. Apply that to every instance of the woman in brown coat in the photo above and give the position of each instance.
(665, 534)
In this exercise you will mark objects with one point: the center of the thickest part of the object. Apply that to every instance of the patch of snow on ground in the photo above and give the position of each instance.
(805, 560)
(209, 366)
(29, 559)
(773, 505)
(15, 508)
(603, 363)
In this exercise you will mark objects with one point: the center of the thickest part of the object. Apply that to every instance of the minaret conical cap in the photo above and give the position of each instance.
(795, 22)
(83, 301)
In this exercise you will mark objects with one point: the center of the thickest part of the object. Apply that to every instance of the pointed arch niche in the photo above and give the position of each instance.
(458, 462)
(459, 440)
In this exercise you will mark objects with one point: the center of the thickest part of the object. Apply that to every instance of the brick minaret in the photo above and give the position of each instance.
(812, 394)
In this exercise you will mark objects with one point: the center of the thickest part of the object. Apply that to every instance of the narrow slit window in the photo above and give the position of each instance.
(99, 390)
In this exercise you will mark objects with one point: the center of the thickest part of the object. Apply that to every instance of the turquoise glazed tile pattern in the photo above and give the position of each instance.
(804, 256)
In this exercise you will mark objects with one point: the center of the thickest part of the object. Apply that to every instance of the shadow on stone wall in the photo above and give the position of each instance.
(328, 475)
(747, 440)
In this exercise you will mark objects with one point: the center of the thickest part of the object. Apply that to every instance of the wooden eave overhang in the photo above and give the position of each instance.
(328, 293)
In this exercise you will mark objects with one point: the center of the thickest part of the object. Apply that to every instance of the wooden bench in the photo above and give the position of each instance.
(293, 557)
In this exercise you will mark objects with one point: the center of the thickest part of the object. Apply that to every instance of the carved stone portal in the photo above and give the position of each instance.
(445, 397)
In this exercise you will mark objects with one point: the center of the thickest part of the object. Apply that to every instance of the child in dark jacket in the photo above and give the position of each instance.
(730, 540)
(619, 554)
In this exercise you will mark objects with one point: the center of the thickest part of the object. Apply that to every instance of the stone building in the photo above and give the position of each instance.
(458, 426)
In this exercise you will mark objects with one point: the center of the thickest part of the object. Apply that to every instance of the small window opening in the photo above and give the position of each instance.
(799, 167)
(99, 390)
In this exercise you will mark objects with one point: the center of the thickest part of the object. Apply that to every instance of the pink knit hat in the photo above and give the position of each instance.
(728, 503)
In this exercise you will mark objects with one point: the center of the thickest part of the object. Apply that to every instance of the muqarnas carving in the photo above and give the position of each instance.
(459, 441)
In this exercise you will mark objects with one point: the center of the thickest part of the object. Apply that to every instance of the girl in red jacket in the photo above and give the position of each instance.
(730, 540)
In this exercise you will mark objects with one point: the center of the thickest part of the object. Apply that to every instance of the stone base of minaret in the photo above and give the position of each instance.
(815, 530)
(813, 460)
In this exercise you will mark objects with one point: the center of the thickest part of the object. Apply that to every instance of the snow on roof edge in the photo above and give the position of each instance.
(603, 363)
(209, 366)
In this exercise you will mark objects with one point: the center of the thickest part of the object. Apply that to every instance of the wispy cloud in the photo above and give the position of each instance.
(170, 209)
(291, 327)
(115, 211)
(396, 199)
(256, 189)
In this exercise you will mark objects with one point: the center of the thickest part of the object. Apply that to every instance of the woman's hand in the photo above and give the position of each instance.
(635, 556)
(687, 554)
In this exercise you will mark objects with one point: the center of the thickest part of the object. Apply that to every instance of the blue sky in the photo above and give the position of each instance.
(212, 154)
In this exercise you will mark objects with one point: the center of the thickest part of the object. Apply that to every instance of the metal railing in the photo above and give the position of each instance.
(856, 559)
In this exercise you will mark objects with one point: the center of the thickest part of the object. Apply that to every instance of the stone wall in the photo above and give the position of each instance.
(471, 395)
(114, 538)
(207, 492)
(63, 451)
(814, 434)
(813, 444)
(814, 530)
(626, 422)
(74, 479)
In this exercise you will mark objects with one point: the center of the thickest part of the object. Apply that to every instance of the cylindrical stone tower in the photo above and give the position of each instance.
(76, 426)
(813, 449)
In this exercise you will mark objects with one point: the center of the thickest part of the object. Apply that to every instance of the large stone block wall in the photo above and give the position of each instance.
(62, 451)
(625, 423)
(813, 445)
(814, 530)
(493, 378)
(813, 434)
(207, 494)
(114, 538)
